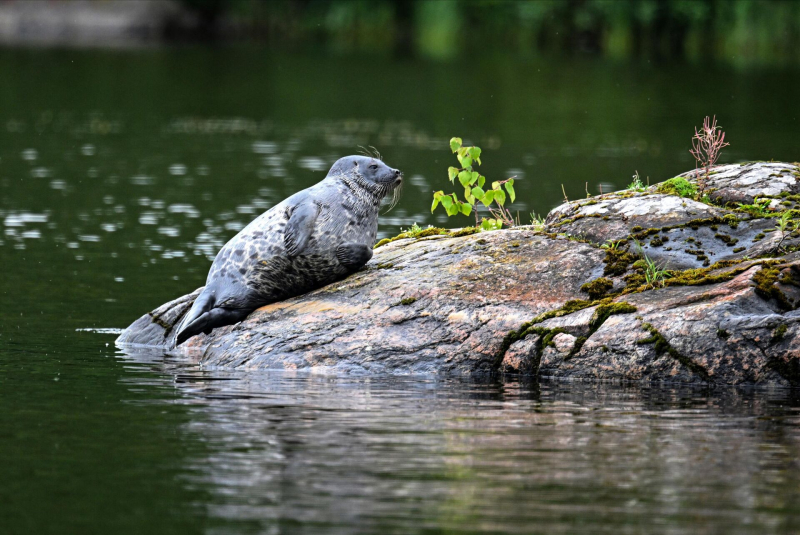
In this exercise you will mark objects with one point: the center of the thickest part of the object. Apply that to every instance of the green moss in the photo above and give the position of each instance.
(408, 300)
(662, 346)
(739, 249)
(758, 237)
(617, 261)
(731, 220)
(530, 327)
(636, 228)
(466, 231)
(779, 332)
(657, 242)
(635, 282)
(597, 288)
(604, 311)
(678, 186)
(416, 232)
(728, 240)
(722, 333)
(386, 265)
(645, 233)
(765, 280)
(601, 314)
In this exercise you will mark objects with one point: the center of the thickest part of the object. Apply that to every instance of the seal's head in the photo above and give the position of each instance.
(369, 175)
(368, 169)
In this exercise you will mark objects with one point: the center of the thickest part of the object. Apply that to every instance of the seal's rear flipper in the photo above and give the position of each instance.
(353, 255)
(216, 317)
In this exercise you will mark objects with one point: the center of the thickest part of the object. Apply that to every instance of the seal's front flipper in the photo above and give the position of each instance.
(353, 255)
(299, 227)
(216, 317)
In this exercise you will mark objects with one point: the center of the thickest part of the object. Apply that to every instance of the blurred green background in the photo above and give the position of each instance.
(741, 32)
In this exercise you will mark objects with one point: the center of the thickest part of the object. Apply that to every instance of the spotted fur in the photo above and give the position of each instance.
(261, 264)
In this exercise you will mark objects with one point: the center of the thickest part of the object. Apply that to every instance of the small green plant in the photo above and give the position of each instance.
(654, 275)
(413, 231)
(678, 186)
(783, 225)
(637, 184)
(611, 245)
(537, 221)
(759, 208)
(473, 182)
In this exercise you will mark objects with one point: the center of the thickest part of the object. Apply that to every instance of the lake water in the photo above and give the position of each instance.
(122, 173)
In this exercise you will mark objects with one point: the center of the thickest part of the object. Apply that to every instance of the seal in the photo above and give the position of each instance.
(315, 237)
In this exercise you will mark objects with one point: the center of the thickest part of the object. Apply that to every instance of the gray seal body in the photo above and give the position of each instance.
(317, 236)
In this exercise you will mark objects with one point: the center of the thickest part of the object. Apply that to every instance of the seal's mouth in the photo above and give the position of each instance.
(397, 191)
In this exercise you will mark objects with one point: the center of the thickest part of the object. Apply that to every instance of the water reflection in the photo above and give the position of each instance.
(406, 455)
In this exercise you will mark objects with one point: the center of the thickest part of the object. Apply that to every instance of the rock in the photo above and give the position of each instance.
(622, 214)
(742, 183)
(518, 300)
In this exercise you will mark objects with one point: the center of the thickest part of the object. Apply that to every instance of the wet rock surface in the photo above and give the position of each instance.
(574, 300)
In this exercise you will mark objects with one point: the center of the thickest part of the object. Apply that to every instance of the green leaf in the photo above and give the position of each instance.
(455, 208)
(475, 153)
(436, 198)
(474, 178)
(495, 185)
(466, 209)
(466, 162)
(478, 193)
(481, 181)
(491, 224)
(488, 197)
(452, 173)
(510, 190)
(499, 197)
(464, 177)
(455, 143)
(447, 202)
(468, 195)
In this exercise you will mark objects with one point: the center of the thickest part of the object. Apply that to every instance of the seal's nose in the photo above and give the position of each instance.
(397, 173)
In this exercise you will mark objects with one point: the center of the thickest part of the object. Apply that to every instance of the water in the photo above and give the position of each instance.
(121, 173)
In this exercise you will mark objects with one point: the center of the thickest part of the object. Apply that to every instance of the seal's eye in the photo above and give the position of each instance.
(373, 167)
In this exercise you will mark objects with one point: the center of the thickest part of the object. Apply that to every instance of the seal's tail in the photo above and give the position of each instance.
(204, 316)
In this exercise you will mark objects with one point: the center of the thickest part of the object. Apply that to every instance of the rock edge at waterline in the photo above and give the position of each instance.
(571, 300)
